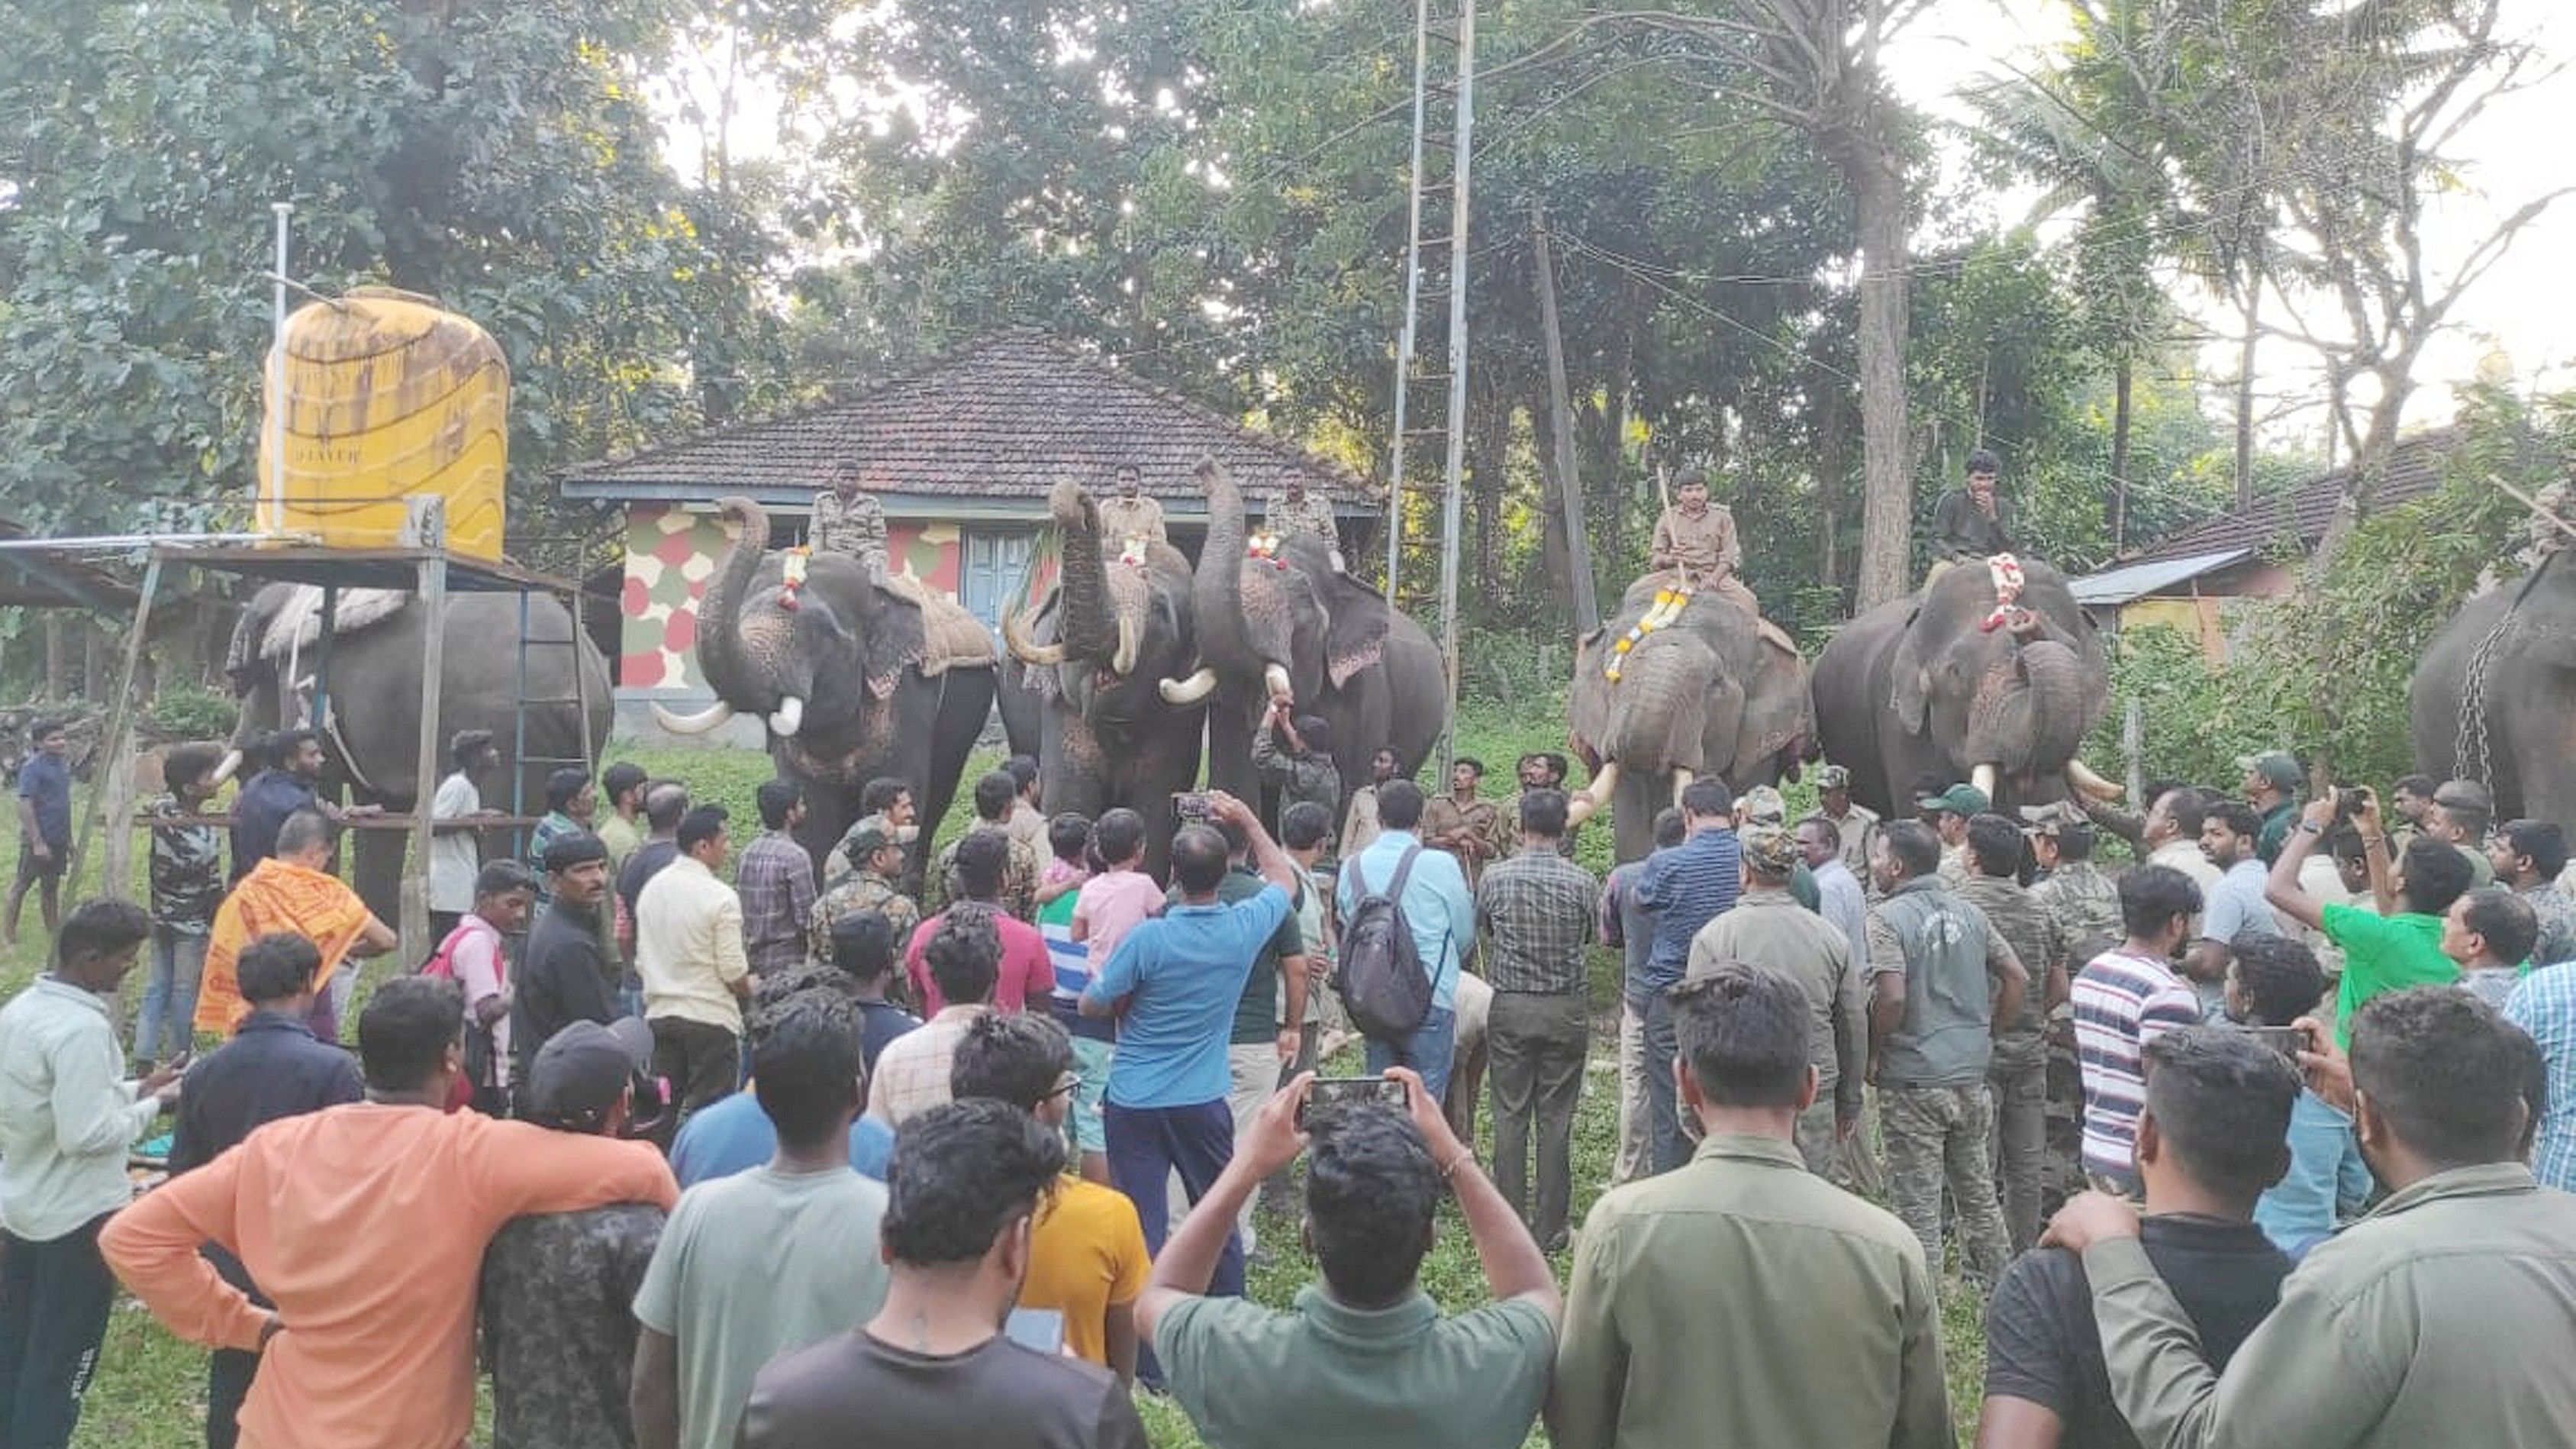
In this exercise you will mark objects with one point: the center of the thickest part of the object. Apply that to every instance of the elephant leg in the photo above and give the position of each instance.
(1639, 796)
(964, 701)
(1229, 752)
(1169, 770)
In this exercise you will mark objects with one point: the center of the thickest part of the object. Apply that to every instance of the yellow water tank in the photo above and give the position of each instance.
(384, 397)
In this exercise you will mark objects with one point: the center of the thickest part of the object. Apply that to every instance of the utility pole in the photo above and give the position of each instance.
(1569, 487)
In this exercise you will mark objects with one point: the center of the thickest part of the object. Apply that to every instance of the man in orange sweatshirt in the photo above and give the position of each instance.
(366, 1224)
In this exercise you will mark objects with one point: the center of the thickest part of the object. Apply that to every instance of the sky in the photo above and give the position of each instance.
(2520, 315)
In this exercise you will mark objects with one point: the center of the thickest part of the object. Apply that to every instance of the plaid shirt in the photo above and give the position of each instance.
(2544, 1005)
(1534, 913)
(912, 1072)
(776, 884)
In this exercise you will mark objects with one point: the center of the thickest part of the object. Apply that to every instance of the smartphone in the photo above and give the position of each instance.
(1325, 1093)
(1038, 1328)
(1190, 807)
(2289, 1041)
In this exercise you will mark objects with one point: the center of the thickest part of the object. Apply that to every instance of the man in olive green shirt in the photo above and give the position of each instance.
(1739, 1298)
(2446, 1316)
(1365, 1360)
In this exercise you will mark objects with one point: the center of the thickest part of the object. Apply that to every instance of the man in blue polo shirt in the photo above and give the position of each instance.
(1439, 910)
(1683, 889)
(1173, 983)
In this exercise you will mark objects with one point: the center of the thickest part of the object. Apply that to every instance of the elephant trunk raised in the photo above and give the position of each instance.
(1225, 641)
(1083, 624)
(758, 659)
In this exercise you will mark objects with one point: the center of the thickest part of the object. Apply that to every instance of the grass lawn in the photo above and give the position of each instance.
(149, 1390)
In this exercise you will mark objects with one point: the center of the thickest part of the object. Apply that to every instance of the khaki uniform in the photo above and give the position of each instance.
(1482, 818)
(855, 526)
(1768, 928)
(1123, 519)
(1704, 551)
(1313, 514)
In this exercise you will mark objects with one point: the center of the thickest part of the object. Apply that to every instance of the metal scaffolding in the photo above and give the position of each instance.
(1438, 211)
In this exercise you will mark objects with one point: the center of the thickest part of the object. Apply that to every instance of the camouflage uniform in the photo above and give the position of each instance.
(1122, 519)
(856, 892)
(558, 1326)
(2086, 907)
(1019, 876)
(855, 526)
(2018, 1071)
(1287, 517)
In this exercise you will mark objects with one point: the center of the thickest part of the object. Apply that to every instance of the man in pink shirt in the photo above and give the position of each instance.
(1027, 972)
(366, 1225)
(473, 955)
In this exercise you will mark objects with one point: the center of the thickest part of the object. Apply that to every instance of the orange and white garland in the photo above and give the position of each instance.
(2005, 570)
(1668, 606)
(791, 577)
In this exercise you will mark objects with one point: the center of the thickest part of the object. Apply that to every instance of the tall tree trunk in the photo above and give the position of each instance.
(2123, 378)
(1567, 510)
(2253, 310)
(1887, 493)
(1833, 443)
(53, 654)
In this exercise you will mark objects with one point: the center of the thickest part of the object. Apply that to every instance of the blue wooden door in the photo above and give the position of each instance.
(989, 572)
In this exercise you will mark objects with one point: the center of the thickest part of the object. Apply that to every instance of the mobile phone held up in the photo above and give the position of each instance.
(1326, 1093)
(2289, 1041)
(1190, 807)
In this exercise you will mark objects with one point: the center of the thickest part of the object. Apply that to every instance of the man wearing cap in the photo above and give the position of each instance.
(1129, 517)
(558, 1288)
(2461, 815)
(1770, 930)
(2071, 888)
(2017, 1072)
(876, 850)
(1855, 824)
(564, 971)
(1763, 805)
(1948, 813)
(2272, 781)
(848, 519)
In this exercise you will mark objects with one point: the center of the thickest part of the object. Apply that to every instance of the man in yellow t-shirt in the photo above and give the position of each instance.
(1087, 1256)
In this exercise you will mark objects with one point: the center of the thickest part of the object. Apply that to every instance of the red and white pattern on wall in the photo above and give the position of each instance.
(671, 552)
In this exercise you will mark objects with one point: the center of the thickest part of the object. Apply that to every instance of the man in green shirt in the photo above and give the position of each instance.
(1739, 1298)
(1365, 1360)
(2380, 952)
(2443, 1317)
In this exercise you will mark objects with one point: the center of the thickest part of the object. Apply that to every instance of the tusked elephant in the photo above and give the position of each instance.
(1291, 623)
(2521, 695)
(1094, 654)
(856, 678)
(1705, 695)
(371, 738)
(1943, 683)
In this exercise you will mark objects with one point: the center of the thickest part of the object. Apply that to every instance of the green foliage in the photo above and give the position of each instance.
(190, 712)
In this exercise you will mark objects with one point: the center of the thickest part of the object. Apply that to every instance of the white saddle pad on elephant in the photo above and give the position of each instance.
(298, 623)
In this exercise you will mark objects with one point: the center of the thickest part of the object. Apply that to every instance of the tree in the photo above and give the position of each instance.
(499, 157)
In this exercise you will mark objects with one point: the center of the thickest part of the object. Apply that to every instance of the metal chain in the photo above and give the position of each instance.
(2469, 742)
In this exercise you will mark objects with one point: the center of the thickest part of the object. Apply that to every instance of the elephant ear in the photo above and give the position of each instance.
(1354, 630)
(1909, 678)
(1779, 714)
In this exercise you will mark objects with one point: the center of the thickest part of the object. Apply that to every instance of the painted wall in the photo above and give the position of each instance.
(670, 554)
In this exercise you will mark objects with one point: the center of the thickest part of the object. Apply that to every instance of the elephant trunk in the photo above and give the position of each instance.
(720, 609)
(1216, 594)
(2057, 703)
(2028, 715)
(1082, 588)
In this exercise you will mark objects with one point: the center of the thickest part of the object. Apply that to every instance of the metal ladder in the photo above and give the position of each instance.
(519, 757)
(1436, 272)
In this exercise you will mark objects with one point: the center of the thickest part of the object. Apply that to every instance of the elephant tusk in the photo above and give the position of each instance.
(226, 768)
(1276, 677)
(1681, 781)
(1594, 795)
(789, 715)
(1026, 650)
(1193, 690)
(1124, 662)
(712, 717)
(1983, 777)
(2081, 776)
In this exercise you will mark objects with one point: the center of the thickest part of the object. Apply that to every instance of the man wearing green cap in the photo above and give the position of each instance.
(1948, 813)
(2272, 782)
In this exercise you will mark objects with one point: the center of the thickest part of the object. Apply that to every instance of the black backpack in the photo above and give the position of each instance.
(1380, 975)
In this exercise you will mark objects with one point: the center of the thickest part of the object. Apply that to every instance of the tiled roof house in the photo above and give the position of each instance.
(962, 450)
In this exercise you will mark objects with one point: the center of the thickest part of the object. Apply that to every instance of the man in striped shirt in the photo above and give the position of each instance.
(2544, 1006)
(2126, 997)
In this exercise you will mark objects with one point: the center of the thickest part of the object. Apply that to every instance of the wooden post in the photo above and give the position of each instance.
(115, 767)
(1569, 487)
(414, 925)
(2133, 742)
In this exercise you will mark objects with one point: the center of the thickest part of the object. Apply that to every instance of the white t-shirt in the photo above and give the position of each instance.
(455, 856)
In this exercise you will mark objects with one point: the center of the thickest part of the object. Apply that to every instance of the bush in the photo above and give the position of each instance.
(191, 712)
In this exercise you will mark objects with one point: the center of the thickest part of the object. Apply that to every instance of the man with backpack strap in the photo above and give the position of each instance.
(1408, 921)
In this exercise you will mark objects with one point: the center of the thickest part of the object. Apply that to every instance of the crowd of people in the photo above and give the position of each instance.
(685, 1144)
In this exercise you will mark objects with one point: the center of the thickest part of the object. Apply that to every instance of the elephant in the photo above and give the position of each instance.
(2505, 664)
(1094, 655)
(371, 738)
(1289, 623)
(857, 678)
(1705, 695)
(1945, 684)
